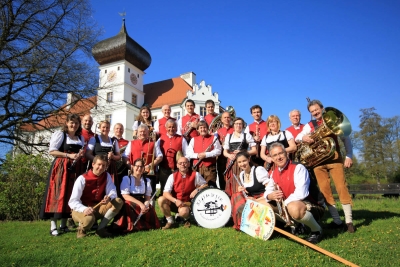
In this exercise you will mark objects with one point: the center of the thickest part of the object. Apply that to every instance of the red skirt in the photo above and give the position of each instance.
(231, 186)
(124, 221)
(59, 188)
(238, 202)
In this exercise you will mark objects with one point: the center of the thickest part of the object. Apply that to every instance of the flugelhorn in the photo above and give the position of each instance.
(282, 210)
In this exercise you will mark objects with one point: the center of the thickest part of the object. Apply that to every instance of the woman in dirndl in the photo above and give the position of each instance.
(253, 180)
(275, 135)
(235, 143)
(136, 191)
(143, 118)
(104, 145)
(66, 146)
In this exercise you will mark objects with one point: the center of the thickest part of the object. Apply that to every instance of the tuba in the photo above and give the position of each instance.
(217, 123)
(324, 147)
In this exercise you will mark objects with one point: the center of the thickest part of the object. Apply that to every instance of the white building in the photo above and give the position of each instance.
(122, 91)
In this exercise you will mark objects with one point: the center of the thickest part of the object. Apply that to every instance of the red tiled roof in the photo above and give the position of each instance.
(81, 108)
(167, 92)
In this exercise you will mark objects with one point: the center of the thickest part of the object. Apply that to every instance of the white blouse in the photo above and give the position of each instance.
(278, 137)
(92, 143)
(261, 173)
(58, 137)
(249, 140)
(128, 186)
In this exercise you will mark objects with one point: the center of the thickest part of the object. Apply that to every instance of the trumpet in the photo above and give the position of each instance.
(188, 127)
(153, 137)
(282, 210)
(145, 156)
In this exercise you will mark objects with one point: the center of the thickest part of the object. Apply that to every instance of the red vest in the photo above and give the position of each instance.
(161, 125)
(262, 126)
(223, 132)
(185, 120)
(200, 145)
(122, 142)
(95, 188)
(141, 149)
(86, 136)
(209, 118)
(285, 179)
(169, 147)
(294, 131)
(183, 186)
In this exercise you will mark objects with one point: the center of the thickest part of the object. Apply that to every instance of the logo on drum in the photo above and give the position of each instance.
(210, 205)
(211, 208)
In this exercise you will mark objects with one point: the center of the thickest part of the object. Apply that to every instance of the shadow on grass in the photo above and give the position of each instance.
(365, 217)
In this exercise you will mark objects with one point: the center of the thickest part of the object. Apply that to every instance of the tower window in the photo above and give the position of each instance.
(177, 115)
(129, 70)
(203, 111)
(109, 97)
(134, 99)
(118, 67)
(108, 117)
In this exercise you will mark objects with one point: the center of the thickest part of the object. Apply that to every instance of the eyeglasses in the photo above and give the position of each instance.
(238, 123)
(183, 163)
(138, 166)
(278, 154)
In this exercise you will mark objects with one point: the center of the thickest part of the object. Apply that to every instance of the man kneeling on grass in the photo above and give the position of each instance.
(297, 190)
(92, 188)
(180, 188)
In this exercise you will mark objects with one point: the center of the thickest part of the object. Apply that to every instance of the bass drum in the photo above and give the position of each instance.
(211, 208)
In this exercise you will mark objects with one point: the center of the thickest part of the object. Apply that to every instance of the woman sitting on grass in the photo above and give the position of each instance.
(136, 191)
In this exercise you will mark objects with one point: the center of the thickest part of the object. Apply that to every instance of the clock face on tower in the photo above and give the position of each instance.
(112, 76)
(133, 78)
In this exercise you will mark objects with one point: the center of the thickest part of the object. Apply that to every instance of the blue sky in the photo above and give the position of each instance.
(272, 53)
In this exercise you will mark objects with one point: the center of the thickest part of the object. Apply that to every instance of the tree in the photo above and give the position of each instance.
(378, 142)
(22, 186)
(45, 52)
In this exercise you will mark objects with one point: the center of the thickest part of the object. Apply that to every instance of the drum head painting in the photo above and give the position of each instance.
(211, 208)
(258, 220)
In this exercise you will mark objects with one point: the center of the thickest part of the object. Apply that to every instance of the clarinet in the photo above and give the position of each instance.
(207, 150)
(239, 183)
(140, 214)
(233, 161)
(71, 168)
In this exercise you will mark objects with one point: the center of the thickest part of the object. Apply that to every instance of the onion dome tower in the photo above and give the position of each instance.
(120, 93)
(121, 47)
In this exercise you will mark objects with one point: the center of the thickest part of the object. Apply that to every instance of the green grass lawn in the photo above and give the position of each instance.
(375, 243)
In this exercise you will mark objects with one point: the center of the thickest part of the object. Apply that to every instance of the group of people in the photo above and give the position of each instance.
(101, 177)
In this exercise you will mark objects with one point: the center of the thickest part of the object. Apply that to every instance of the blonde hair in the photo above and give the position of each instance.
(274, 118)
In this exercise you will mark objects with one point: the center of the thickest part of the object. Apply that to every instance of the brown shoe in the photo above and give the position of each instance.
(169, 226)
(103, 233)
(80, 232)
(187, 224)
(350, 227)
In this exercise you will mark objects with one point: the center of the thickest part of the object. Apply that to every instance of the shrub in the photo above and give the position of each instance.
(22, 184)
